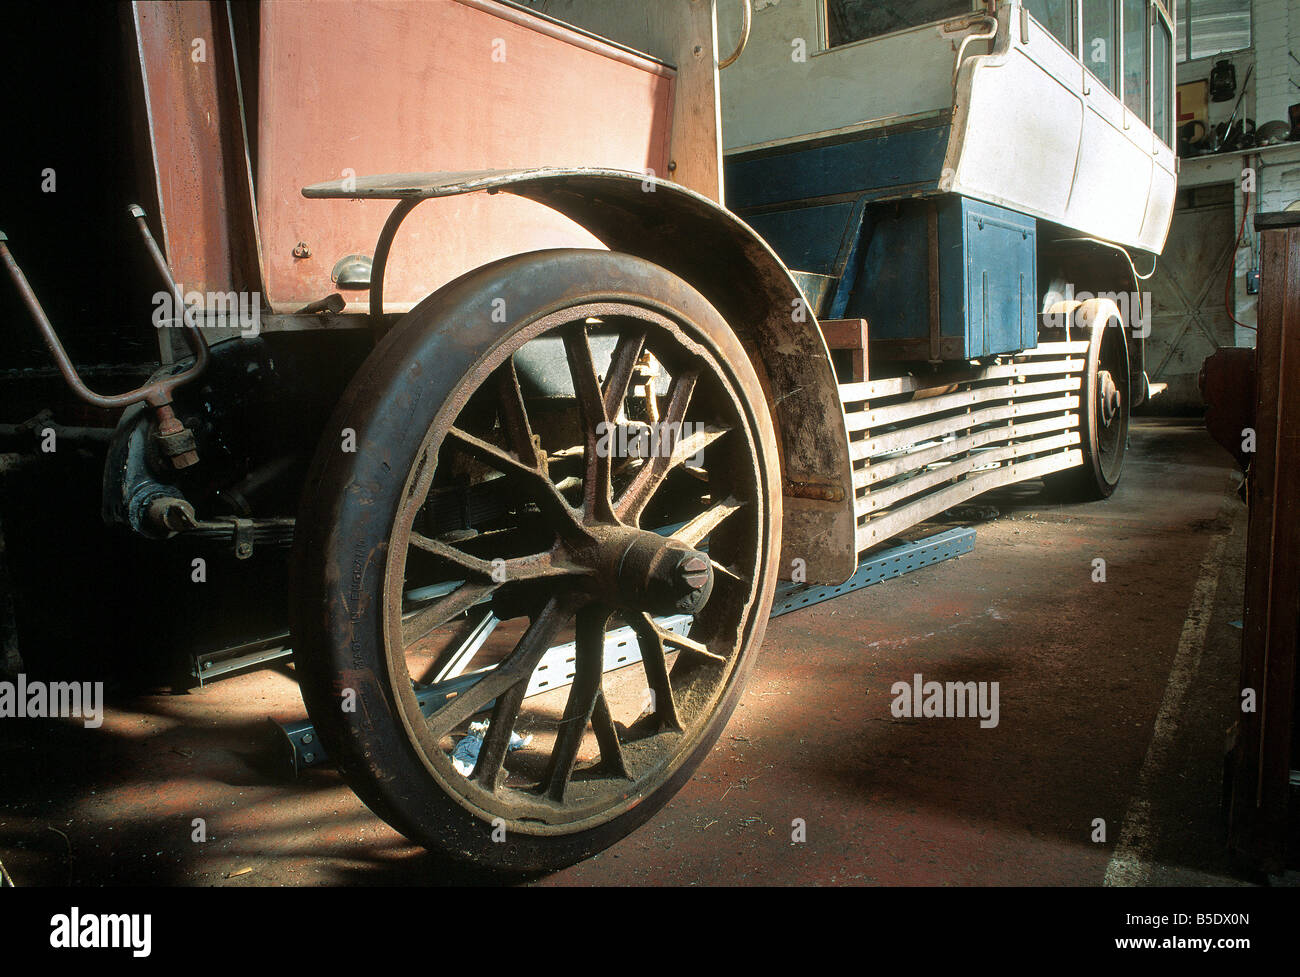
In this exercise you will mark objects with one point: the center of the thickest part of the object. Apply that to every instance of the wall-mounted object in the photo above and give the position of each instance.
(1223, 81)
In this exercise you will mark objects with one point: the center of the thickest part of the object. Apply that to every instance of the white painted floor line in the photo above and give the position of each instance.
(1130, 864)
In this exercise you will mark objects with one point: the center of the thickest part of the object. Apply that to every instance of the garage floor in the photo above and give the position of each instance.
(1115, 700)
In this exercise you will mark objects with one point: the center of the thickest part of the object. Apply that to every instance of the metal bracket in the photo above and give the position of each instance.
(243, 539)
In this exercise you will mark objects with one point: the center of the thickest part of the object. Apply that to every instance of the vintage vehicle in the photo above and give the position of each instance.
(452, 303)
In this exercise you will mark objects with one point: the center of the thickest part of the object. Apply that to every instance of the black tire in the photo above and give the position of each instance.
(401, 405)
(1103, 426)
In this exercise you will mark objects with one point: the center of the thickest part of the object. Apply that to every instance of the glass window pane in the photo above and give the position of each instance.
(854, 20)
(1099, 34)
(1161, 74)
(1055, 15)
(1219, 25)
(1136, 39)
(1180, 23)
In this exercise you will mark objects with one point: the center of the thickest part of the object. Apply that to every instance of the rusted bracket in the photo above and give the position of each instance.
(382, 248)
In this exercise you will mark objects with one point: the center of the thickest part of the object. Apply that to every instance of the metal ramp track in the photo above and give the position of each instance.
(621, 650)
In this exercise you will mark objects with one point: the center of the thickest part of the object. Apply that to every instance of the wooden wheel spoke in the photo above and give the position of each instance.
(514, 416)
(655, 662)
(515, 569)
(539, 486)
(621, 365)
(589, 667)
(496, 741)
(515, 670)
(684, 449)
(694, 532)
(586, 385)
(679, 395)
(650, 476)
(682, 643)
(611, 750)
(595, 424)
(444, 609)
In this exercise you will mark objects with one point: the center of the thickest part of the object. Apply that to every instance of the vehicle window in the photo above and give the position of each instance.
(1136, 39)
(1210, 27)
(1056, 16)
(1099, 34)
(855, 20)
(1161, 73)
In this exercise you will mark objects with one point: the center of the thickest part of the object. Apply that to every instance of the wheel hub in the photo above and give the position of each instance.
(1108, 397)
(644, 571)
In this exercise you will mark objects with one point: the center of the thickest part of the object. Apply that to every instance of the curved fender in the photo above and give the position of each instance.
(1106, 272)
(1082, 318)
(717, 253)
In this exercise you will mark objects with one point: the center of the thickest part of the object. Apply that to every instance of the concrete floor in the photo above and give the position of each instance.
(1085, 670)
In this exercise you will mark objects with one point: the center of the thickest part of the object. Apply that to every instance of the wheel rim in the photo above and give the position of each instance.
(1111, 404)
(576, 557)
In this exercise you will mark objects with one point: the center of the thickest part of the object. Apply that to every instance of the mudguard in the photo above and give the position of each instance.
(717, 253)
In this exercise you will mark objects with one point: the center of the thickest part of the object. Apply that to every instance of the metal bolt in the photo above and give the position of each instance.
(309, 758)
(694, 572)
(307, 737)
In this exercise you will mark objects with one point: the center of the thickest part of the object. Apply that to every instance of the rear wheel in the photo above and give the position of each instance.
(1103, 418)
(563, 464)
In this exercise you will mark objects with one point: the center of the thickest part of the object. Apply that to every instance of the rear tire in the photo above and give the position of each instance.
(1103, 419)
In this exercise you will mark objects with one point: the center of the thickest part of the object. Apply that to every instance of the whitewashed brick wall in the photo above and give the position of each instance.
(1276, 32)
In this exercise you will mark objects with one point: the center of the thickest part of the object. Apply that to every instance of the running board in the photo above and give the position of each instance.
(920, 446)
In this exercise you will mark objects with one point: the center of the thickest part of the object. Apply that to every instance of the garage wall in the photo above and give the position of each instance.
(1276, 25)
(1276, 32)
(1189, 320)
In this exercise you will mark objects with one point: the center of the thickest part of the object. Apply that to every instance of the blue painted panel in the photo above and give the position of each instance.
(854, 208)
(872, 162)
(1001, 287)
(987, 283)
(815, 239)
(892, 290)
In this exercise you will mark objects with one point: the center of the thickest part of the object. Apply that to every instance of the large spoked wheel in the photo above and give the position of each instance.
(1103, 419)
(562, 461)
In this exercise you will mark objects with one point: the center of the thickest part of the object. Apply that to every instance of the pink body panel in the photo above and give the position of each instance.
(356, 89)
(195, 140)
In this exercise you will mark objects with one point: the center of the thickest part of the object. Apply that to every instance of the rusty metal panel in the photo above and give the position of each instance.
(348, 89)
(196, 138)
